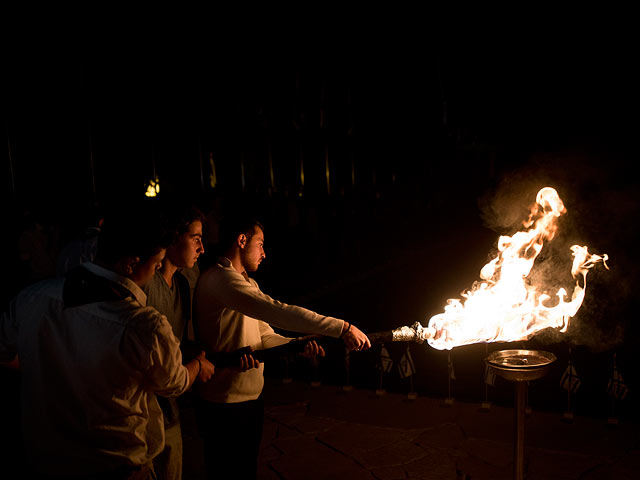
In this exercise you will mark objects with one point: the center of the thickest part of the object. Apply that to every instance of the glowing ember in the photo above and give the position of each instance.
(504, 306)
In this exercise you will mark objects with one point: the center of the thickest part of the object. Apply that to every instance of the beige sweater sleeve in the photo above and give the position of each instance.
(232, 290)
(269, 337)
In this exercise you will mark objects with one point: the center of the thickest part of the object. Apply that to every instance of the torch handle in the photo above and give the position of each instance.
(380, 337)
(232, 359)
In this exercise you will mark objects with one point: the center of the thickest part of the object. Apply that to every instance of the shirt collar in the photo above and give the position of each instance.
(225, 262)
(125, 282)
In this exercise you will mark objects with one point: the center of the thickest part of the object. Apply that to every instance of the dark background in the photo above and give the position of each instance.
(434, 149)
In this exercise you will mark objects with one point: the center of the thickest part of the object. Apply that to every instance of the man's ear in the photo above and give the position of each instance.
(242, 240)
(134, 263)
(127, 265)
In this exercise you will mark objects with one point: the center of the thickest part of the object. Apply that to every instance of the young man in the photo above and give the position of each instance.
(231, 312)
(169, 292)
(93, 357)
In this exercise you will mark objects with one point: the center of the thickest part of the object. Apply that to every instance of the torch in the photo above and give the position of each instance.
(414, 333)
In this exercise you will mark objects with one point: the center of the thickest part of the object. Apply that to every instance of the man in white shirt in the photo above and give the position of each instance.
(230, 312)
(93, 356)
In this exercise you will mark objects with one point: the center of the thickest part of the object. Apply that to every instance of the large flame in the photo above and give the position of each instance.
(504, 306)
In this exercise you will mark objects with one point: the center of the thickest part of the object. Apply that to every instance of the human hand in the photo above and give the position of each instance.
(355, 339)
(312, 350)
(247, 362)
(206, 368)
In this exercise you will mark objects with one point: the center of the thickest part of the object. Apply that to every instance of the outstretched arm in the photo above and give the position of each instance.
(228, 288)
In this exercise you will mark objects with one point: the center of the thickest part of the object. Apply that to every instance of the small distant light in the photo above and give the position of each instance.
(153, 188)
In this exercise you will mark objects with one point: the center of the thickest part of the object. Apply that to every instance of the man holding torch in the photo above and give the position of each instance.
(231, 312)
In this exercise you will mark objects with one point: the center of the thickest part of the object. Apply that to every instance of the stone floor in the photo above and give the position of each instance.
(325, 432)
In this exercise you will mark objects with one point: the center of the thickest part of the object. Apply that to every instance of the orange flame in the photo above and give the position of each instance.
(503, 306)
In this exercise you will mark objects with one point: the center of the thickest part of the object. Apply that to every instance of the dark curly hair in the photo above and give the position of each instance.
(233, 225)
(135, 229)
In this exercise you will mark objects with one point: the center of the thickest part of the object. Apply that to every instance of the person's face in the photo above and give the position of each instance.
(141, 273)
(188, 248)
(252, 249)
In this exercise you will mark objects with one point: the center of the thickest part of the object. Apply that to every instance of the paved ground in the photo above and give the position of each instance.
(325, 432)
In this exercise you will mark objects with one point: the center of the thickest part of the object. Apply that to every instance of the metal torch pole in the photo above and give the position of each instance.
(518, 462)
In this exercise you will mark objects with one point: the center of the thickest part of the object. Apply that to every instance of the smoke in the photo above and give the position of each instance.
(603, 205)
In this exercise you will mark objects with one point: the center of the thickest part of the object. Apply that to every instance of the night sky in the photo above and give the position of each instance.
(386, 102)
(448, 142)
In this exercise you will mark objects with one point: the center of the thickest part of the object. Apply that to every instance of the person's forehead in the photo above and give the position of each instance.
(158, 256)
(258, 233)
(195, 227)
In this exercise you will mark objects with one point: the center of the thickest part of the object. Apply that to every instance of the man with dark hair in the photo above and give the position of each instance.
(170, 293)
(230, 312)
(93, 357)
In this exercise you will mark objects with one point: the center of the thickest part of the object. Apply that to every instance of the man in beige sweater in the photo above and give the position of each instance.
(231, 312)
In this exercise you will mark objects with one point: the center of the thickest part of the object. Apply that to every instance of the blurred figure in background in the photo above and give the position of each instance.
(37, 246)
(83, 246)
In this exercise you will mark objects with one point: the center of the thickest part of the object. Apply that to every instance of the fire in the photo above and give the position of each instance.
(504, 306)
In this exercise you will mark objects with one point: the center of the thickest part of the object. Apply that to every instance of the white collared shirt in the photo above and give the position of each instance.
(89, 376)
